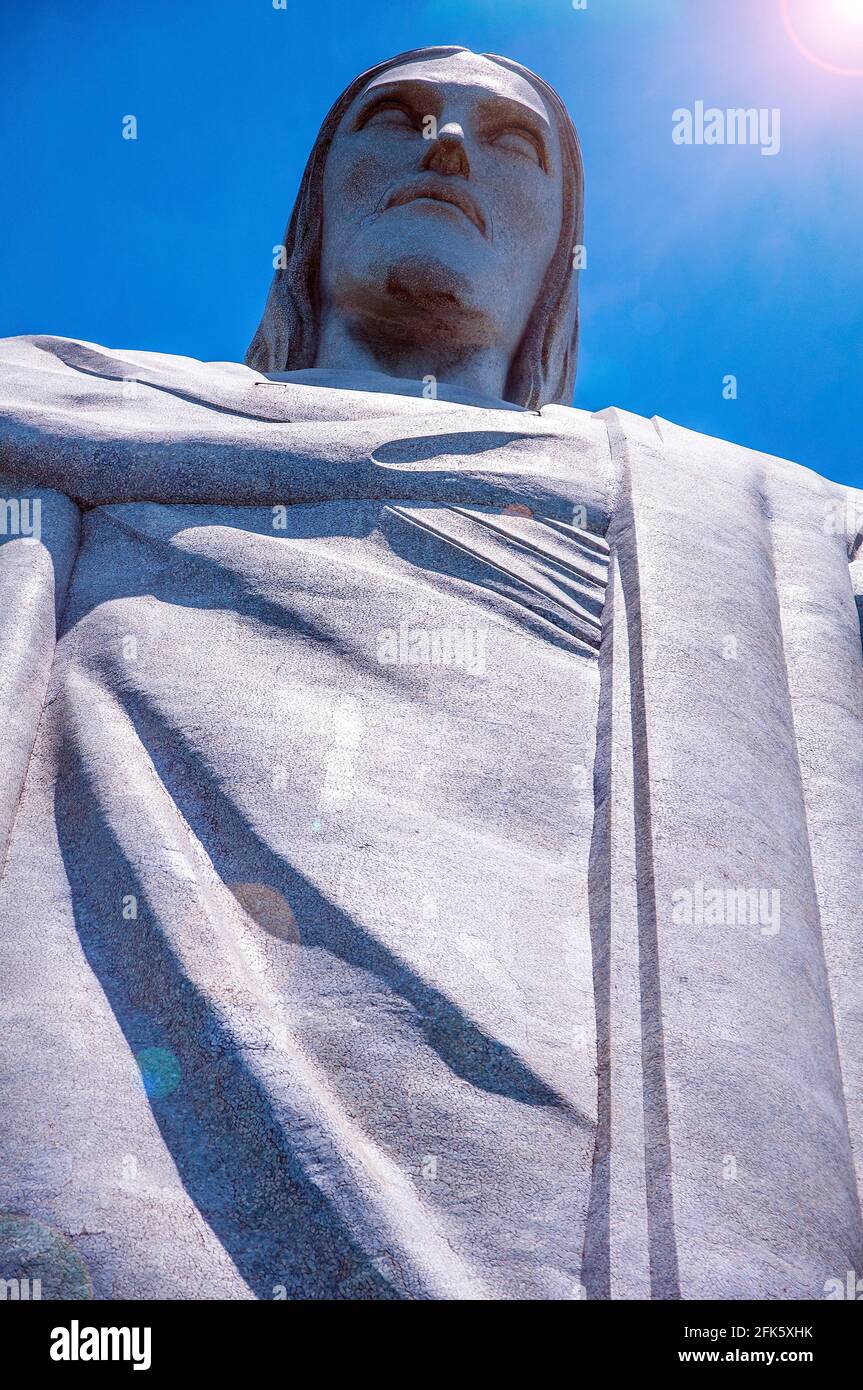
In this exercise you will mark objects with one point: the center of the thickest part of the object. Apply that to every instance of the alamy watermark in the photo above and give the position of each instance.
(410, 645)
(729, 906)
(77, 1343)
(738, 125)
(22, 1290)
(21, 516)
(848, 1288)
(843, 516)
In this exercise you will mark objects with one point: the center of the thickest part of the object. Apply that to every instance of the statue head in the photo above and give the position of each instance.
(435, 224)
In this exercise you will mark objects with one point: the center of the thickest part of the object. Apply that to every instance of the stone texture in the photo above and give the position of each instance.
(476, 1053)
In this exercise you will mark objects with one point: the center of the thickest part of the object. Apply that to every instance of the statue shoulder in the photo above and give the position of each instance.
(48, 352)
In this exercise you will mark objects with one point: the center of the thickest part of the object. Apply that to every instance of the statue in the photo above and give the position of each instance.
(426, 822)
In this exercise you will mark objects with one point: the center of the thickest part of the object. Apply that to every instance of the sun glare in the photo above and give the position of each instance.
(827, 32)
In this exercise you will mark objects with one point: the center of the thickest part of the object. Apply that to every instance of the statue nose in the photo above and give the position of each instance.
(448, 154)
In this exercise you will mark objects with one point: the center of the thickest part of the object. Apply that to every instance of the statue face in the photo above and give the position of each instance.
(443, 239)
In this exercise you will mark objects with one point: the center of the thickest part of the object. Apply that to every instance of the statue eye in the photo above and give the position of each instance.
(518, 142)
(391, 114)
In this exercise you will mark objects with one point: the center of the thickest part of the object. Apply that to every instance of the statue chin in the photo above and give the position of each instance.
(417, 301)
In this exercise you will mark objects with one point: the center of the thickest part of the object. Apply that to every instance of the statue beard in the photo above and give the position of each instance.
(420, 304)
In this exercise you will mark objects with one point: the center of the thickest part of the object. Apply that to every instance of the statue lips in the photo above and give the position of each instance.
(438, 191)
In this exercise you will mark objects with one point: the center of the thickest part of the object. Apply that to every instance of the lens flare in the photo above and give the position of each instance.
(821, 28)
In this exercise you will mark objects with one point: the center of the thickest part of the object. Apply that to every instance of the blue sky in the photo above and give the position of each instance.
(703, 261)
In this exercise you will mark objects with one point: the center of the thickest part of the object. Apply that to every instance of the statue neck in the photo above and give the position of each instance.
(344, 347)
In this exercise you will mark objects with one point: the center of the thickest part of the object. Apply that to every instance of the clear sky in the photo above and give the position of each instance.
(703, 261)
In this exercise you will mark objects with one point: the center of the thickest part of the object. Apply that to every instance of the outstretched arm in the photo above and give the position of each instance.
(104, 426)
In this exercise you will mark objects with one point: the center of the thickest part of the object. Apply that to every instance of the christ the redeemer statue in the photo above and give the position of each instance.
(430, 812)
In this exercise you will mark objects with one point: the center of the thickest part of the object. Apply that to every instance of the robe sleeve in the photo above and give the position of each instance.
(39, 537)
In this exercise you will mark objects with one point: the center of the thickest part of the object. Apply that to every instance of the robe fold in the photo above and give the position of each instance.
(429, 842)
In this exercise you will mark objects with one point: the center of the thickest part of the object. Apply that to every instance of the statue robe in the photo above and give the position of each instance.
(428, 835)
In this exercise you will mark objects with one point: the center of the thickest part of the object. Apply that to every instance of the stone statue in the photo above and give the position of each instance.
(429, 814)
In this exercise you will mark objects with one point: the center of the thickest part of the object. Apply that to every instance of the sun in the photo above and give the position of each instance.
(824, 29)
